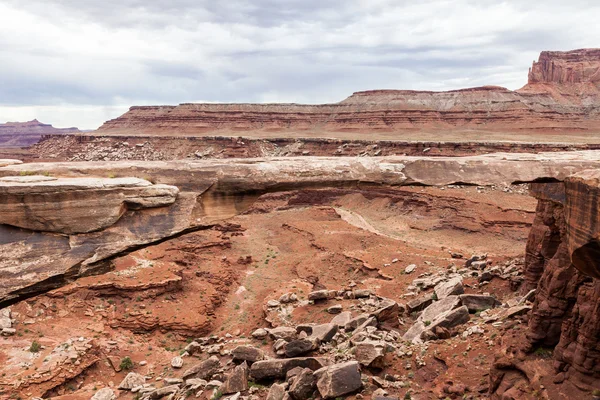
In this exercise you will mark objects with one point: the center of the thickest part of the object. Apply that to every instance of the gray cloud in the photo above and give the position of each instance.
(103, 56)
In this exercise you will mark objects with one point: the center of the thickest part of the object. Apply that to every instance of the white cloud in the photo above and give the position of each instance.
(60, 56)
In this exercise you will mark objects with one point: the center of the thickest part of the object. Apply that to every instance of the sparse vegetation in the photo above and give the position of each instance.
(543, 352)
(35, 347)
(126, 363)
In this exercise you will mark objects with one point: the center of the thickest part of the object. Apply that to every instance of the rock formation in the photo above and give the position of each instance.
(97, 217)
(562, 264)
(21, 134)
(561, 95)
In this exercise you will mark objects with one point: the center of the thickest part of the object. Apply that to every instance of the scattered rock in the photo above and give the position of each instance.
(341, 319)
(478, 302)
(273, 369)
(260, 333)
(300, 346)
(276, 392)
(410, 269)
(104, 394)
(370, 353)
(132, 380)
(237, 381)
(247, 353)
(336, 309)
(452, 287)
(204, 370)
(304, 385)
(338, 380)
(177, 362)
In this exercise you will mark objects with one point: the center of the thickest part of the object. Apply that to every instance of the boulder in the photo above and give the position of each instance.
(341, 319)
(324, 332)
(304, 385)
(282, 332)
(276, 392)
(162, 392)
(370, 353)
(338, 380)
(278, 368)
(478, 302)
(451, 287)
(387, 314)
(260, 333)
(419, 304)
(322, 295)
(300, 346)
(131, 381)
(362, 293)
(356, 322)
(247, 353)
(204, 370)
(177, 362)
(104, 394)
(446, 315)
(5, 321)
(237, 381)
(336, 309)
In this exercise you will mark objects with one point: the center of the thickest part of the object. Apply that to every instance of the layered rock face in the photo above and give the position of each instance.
(561, 94)
(577, 66)
(54, 229)
(21, 134)
(562, 264)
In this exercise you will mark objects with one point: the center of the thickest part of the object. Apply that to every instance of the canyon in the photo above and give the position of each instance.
(398, 244)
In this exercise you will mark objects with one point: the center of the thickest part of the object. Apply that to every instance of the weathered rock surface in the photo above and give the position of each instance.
(76, 205)
(272, 369)
(131, 381)
(338, 380)
(561, 258)
(237, 381)
(203, 370)
(209, 192)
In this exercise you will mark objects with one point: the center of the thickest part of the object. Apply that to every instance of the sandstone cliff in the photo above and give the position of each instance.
(561, 96)
(21, 134)
(562, 265)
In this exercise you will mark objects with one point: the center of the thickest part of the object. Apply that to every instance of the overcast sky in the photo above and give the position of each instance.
(81, 62)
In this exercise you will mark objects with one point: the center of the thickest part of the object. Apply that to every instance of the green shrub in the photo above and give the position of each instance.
(35, 347)
(126, 363)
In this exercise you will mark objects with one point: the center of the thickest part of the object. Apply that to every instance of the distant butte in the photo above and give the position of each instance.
(561, 99)
(21, 134)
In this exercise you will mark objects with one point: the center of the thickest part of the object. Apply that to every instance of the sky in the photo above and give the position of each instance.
(82, 62)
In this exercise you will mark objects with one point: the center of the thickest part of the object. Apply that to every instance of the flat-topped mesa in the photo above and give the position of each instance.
(20, 134)
(562, 96)
(566, 67)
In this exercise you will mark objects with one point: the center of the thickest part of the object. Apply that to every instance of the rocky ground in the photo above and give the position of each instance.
(404, 293)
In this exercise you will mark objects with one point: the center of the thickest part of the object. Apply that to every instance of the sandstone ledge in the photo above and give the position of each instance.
(76, 205)
(104, 217)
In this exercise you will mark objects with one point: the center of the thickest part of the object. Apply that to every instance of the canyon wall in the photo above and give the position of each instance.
(562, 264)
(561, 96)
(22, 134)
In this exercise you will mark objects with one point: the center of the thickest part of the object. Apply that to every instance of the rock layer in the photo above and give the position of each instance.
(561, 94)
(76, 205)
(562, 263)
